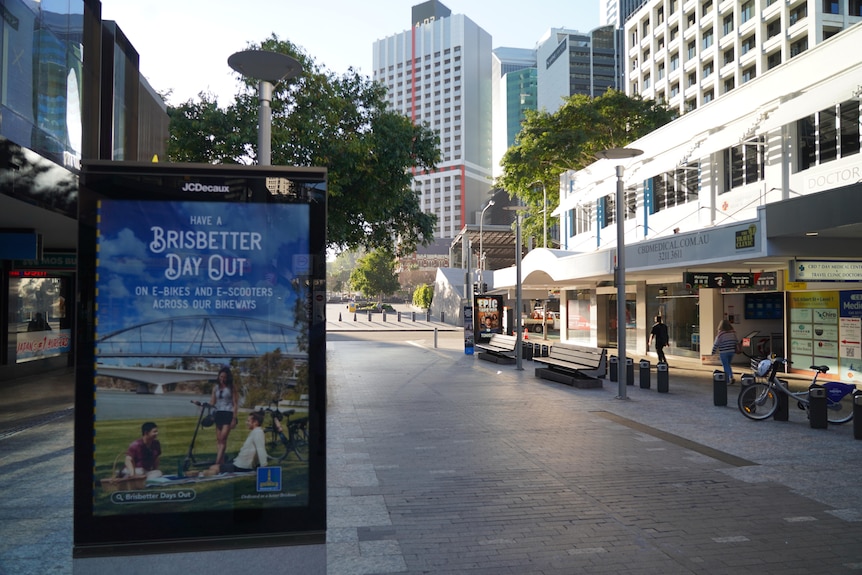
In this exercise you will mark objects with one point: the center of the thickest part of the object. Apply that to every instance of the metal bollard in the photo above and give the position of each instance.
(414, 315)
(369, 315)
(630, 371)
(817, 407)
(442, 317)
(782, 412)
(661, 377)
(857, 414)
(399, 317)
(435, 338)
(384, 316)
(645, 373)
(614, 369)
(719, 388)
(428, 315)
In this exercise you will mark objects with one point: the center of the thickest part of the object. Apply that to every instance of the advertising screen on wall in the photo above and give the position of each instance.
(201, 369)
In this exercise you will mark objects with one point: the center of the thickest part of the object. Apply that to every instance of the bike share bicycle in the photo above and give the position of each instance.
(278, 445)
(760, 400)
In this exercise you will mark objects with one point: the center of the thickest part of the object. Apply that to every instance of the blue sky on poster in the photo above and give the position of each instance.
(184, 46)
(218, 258)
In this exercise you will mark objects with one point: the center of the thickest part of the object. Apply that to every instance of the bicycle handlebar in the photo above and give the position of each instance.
(200, 403)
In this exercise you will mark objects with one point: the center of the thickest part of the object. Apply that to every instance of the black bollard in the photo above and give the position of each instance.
(662, 382)
(817, 407)
(857, 414)
(645, 373)
(719, 388)
(782, 412)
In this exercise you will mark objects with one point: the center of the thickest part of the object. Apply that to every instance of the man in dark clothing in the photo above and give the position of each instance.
(659, 335)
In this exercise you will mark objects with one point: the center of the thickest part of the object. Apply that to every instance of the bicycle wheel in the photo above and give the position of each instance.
(757, 401)
(274, 446)
(838, 412)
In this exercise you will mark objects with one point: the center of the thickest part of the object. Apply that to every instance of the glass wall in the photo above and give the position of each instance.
(678, 307)
(40, 77)
(39, 319)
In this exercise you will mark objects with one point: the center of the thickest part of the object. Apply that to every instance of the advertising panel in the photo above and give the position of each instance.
(826, 329)
(206, 361)
(488, 317)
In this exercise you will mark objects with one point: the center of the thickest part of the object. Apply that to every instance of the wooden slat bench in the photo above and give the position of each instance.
(500, 349)
(575, 365)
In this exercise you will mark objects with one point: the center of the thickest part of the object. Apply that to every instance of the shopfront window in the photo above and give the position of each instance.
(38, 319)
(678, 307)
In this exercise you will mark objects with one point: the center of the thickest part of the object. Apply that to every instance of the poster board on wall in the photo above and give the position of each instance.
(201, 352)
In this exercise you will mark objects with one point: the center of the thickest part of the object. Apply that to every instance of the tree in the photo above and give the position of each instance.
(375, 275)
(423, 295)
(341, 123)
(568, 139)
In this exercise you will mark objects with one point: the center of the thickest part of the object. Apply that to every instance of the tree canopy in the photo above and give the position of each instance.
(342, 123)
(374, 275)
(549, 144)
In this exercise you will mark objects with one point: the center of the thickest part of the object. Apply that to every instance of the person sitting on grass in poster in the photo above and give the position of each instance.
(142, 457)
(252, 451)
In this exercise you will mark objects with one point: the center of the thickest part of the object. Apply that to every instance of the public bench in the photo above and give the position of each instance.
(575, 365)
(499, 349)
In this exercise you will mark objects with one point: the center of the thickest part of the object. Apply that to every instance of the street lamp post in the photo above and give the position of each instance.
(544, 213)
(269, 68)
(518, 334)
(481, 245)
(620, 270)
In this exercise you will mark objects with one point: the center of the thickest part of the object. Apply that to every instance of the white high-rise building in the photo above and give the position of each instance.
(438, 73)
(690, 53)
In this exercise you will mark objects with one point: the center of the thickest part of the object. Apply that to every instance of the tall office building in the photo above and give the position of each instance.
(438, 73)
(571, 62)
(514, 88)
(616, 12)
(688, 54)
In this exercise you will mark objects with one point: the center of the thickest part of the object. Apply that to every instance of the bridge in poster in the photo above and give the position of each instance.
(165, 352)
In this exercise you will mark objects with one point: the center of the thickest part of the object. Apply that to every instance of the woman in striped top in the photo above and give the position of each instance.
(725, 344)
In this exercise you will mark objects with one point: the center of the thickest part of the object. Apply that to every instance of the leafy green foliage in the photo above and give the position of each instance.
(341, 123)
(568, 139)
(423, 295)
(374, 275)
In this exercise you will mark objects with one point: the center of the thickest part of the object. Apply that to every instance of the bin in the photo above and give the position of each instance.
(614, 367)
(719, 388)
(526, 350)
(630, 371)
(661, 377)
(817, 407)
(645, 373)
(546, 350)
(857, 415)
(746, 380)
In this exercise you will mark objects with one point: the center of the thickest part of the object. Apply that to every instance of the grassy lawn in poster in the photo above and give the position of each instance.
(187, 291)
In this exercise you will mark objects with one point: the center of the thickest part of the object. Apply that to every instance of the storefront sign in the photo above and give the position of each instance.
(718, 280)
(827, 271)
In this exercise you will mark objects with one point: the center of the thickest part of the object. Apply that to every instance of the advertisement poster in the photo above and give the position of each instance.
(826, 329)
(201, 377)
(488, 316)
